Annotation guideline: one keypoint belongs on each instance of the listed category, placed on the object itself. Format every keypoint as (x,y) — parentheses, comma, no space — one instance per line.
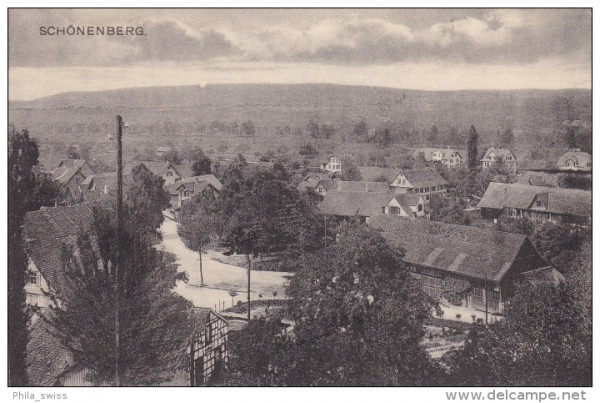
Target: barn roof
(515,195)
(468,251)
(351,204)
(360,186)
(424,178)
(67,169)
(193,182)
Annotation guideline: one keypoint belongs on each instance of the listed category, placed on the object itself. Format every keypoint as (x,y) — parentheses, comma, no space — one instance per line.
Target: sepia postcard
(307,197)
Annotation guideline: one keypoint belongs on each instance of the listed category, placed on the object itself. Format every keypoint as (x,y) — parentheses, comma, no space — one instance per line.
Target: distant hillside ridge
(292,95)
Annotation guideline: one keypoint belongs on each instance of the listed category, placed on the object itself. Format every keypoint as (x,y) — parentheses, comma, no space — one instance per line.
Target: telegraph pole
(486,300)
(118,249)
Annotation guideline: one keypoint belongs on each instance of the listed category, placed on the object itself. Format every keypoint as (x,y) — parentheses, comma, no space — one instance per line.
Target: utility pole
(118,249)
(249,268)
(486,300)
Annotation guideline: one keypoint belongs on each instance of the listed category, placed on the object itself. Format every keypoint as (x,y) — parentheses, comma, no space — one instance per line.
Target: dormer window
(33,278)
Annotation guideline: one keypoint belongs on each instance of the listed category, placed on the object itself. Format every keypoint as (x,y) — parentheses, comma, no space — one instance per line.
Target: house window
(209,334)
(403,181)
(320,190)
(169,173)
(33,278)
(538,203)
(451,160)
(394,210)
(420,208)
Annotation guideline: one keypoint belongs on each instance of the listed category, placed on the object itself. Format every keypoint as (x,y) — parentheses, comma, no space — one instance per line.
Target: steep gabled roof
(499,152)
(469,251)
(67,169)
(184,170)
(424,178)
(193,181)
(351,204)
(581,157)
(515,195)
(46,231)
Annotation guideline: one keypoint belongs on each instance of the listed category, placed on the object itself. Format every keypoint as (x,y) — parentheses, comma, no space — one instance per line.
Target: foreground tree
(544,340)
(27,191)
(145,199)
(199,222)
(155,323)
(359,316)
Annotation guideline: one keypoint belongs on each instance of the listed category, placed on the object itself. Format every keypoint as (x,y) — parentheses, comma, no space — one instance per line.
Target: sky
(427,49)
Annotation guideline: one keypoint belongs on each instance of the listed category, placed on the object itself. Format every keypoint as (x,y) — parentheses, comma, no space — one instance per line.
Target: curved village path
(219,277)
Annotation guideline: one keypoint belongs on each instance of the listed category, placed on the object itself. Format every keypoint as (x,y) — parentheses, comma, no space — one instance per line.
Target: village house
(45,233)
(49,363)
(336,185)
(407,205)
(360,205)
(312,179)
(164,169)
(538,203)
(538,178)
(493,155)
(449,157)
(208,347)
(207,185)
(105,183)
(575,160)
(70,173)
(468,267)
(422,181)
(332,165)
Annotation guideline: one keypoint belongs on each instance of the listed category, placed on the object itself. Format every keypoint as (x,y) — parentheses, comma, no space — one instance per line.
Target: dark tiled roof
(424,178)
(46,231)
(351,204)
(67,169)
(47,358)
(195,181)
(515,195)
(469,251)
(184,170)
(360,186)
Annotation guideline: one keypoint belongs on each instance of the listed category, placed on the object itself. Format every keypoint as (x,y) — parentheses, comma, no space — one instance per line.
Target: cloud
(338,37)
(163,40)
